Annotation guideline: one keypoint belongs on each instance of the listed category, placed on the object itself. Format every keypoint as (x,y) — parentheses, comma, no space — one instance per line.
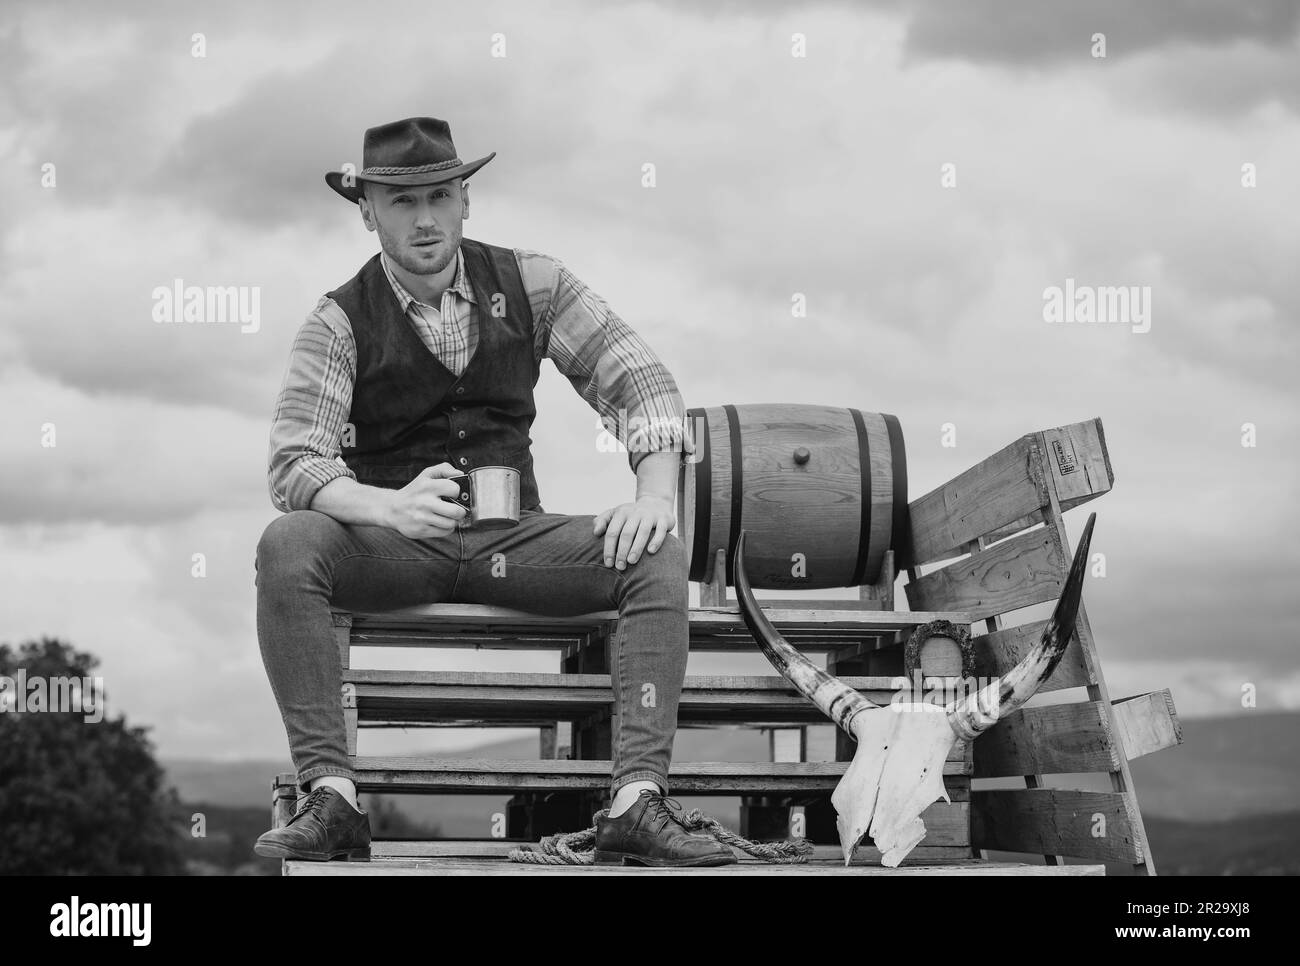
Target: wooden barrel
(820,492)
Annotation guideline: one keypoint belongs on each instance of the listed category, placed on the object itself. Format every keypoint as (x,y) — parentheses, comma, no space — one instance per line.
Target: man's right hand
(419,510)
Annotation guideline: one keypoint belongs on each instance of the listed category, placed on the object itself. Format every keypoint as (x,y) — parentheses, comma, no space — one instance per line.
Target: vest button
(459,390)
(461,434)
(462,461)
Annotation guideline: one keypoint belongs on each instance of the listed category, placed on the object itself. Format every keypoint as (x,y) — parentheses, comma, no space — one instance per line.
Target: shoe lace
(666,810)
(315,801)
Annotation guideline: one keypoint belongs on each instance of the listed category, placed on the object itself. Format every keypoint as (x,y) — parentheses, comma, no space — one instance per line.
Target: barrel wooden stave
(788,508)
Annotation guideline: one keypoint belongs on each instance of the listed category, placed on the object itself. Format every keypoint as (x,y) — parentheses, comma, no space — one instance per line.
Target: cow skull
(897,769)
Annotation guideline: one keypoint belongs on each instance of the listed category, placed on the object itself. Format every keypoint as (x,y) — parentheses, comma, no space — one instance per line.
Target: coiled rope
(579,848)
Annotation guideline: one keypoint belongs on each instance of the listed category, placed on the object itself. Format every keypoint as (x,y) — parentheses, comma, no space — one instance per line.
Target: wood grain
(1050,739)
(1147,723)
(1002,488)
(1018,572)
(999,651)
(1055,821)
(427,774)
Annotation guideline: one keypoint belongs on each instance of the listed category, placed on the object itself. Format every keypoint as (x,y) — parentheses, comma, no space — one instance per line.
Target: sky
(922,173)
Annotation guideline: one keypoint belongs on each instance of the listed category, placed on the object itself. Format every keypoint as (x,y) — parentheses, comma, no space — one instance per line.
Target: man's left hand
(632,527)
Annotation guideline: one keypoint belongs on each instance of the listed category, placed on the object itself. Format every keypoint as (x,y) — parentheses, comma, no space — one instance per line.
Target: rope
(579,848)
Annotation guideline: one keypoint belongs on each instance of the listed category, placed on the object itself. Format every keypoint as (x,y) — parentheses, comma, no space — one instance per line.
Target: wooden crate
(1004,519)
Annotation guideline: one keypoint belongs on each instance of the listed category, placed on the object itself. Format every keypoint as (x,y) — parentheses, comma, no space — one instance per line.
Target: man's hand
(628,527)
(419,510)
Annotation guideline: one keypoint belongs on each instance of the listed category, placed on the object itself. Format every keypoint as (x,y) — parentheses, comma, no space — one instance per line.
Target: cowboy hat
(414,151)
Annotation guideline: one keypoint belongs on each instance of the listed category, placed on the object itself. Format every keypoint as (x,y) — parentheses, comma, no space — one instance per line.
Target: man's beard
(402,255)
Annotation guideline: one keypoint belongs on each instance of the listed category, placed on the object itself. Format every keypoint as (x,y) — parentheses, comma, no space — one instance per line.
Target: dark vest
(409,411)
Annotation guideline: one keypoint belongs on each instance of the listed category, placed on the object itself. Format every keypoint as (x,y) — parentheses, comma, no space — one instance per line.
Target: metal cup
(494,498)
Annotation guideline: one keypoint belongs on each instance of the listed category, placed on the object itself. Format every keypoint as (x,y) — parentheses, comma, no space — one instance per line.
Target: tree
(77,796)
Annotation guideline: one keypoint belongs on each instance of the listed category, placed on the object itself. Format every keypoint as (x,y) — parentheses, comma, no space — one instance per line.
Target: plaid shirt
(609,364)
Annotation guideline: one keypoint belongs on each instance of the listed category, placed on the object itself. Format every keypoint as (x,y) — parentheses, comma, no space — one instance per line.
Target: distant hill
(1225,768)
(1253,845)
(236,784)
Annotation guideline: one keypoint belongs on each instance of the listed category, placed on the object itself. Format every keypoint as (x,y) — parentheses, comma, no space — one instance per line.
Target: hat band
(418,169)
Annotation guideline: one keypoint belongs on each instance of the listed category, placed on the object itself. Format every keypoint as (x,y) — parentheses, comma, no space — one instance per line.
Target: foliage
(78,796)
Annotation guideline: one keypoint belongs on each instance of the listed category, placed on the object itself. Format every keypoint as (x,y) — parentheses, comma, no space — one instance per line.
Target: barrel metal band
(737,489)
(703,502)
(864,530)
(900,537)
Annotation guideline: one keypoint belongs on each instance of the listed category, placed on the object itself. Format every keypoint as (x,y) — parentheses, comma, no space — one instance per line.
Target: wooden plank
(547,741)
(788,744)
(1049,739)
(284,800)
(1147,723)
(772,684)
(482,615)
(526,699)
(455,866)
(826,603)
(379,774)
(1089,825)
(999,651)
(1121,779)
(1005,487)
(994,624)
(1077,461)
(1024,570)
(1014,527)
(711,628)
(499,848)
(785,611)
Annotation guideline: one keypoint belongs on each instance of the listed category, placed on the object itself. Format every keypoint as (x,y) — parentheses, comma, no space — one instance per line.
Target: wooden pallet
(986,544)
(1003,521)
(452,865)
(488,857)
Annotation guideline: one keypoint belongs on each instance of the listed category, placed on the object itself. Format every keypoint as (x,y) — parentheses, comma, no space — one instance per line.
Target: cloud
(1208,688)
(121,460)
(1044,33)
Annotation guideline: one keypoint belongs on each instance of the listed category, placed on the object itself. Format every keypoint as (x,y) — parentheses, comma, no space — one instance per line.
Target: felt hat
(414,151)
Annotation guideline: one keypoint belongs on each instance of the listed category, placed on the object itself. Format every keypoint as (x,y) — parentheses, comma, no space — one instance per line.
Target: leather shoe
(651,833)
(325,828)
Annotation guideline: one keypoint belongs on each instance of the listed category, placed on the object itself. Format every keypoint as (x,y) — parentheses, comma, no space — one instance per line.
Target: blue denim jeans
(308,564)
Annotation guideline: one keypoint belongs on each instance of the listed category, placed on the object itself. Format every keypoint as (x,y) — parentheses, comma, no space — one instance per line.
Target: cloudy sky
(776,174)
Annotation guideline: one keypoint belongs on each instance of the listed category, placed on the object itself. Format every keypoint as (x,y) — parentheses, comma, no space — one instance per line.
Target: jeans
(309,564)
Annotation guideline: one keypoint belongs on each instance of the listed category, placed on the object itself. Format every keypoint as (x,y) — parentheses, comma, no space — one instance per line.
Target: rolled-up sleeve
(609,364)
(312,410)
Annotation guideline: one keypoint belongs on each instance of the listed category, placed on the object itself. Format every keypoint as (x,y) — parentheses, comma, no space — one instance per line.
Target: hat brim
(353,191)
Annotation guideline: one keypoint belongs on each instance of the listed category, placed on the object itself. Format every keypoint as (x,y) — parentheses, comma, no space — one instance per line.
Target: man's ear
(367,213)
(464,200)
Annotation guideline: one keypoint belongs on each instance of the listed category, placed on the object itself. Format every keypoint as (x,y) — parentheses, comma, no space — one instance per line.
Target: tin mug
(491,494)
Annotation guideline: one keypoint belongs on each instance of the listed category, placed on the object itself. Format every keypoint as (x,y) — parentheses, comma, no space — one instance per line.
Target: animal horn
(978,712)
(837,700)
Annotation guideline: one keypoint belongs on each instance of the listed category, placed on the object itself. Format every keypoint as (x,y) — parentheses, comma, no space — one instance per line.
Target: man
(420,368)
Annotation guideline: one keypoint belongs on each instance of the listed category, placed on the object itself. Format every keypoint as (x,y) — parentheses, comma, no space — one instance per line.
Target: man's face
(420,227)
